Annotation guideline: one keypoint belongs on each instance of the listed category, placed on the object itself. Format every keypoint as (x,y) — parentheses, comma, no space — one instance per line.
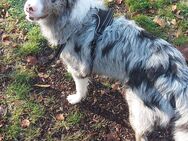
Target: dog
(154,72)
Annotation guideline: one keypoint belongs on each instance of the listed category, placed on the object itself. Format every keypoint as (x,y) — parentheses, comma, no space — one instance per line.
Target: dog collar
(60,48)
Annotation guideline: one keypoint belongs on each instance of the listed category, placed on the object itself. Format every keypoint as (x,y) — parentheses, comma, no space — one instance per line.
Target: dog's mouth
(32,18)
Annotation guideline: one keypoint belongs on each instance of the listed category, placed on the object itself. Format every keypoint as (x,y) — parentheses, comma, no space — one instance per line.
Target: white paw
(73,99)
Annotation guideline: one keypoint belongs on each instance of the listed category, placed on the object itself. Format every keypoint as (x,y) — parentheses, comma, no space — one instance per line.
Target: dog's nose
(31,8)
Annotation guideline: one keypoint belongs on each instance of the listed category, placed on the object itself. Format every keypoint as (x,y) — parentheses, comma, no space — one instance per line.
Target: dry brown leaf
(14,45)
(178,14)
(178,33)
(6,39)
(161,22)
(174,8)
(31,60)
(25,123)
(42,75)
(118,1)
(60,117)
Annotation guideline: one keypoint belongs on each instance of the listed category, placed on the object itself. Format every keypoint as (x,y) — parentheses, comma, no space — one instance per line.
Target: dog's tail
(181,123)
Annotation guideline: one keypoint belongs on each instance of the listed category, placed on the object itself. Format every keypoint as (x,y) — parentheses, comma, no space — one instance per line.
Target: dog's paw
(73,99)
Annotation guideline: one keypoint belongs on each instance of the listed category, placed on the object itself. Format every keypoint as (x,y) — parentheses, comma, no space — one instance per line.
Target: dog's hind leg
(181,128)
(81,90)
(140,116)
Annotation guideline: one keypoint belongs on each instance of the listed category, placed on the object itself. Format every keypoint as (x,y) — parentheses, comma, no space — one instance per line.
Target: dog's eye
(53,1)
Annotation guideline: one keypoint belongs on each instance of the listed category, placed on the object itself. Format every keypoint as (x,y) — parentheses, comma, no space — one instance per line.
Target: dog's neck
(59,28)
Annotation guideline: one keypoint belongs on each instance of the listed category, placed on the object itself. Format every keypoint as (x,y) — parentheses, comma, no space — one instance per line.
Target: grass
(74,118)
(148,24)
(34,44)
(19,87)
(68,76)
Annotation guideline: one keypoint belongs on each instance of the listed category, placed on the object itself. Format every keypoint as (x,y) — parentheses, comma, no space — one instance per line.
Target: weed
(68,76)
(74,118)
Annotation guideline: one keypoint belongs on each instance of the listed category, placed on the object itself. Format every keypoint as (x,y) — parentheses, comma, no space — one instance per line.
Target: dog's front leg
(81,89)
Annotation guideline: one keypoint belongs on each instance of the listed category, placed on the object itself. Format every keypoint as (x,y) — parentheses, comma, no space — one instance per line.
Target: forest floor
(33,105)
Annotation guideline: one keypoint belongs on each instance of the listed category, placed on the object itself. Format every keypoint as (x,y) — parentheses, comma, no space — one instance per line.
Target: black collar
(60,48)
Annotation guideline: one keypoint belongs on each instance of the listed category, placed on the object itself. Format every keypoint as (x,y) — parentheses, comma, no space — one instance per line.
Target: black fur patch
(173,102)
(154,73)
(144,34)
(108,48)
(77,48)
(137,76)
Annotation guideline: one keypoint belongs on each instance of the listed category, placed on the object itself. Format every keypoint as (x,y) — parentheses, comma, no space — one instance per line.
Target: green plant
(74,118)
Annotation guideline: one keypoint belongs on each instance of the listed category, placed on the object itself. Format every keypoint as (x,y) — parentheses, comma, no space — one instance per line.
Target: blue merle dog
(154,71)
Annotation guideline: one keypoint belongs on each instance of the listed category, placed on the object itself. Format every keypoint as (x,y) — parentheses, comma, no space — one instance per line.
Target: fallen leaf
(42,86)
(25,123)
(178,14)
(115,86)
(42,75)
(6,39)
(161,22)
(32,60)
(174,22)
(14,45)
(60,117)
(174,8)
(178,33)
(118,1)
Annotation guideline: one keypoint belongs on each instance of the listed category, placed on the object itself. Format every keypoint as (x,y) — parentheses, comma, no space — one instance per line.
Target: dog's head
(41,9)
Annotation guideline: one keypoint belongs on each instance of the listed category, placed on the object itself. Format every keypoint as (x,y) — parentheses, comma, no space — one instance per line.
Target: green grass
(34,44)
(181,40)
(74,118)
(14,129)
(148,24)
(138,5)
(68,76)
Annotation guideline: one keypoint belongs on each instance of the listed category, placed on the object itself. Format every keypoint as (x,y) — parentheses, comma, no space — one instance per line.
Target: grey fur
(154,72)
